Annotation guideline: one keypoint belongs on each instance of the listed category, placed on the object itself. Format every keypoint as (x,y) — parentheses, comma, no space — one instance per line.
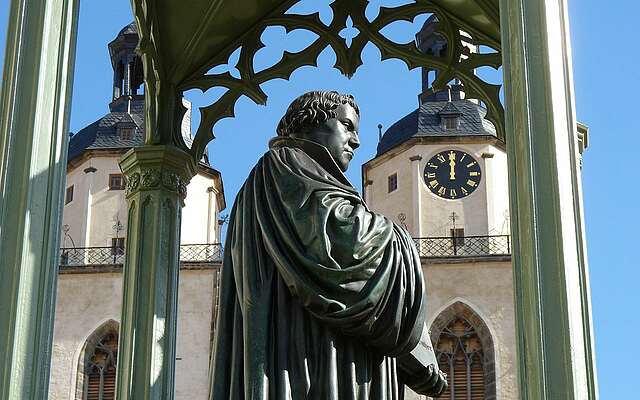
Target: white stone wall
(75,213)
(404,199)
(486,288)
(497,192)
(483,212)
(86,301)
(200,213)
(95,209)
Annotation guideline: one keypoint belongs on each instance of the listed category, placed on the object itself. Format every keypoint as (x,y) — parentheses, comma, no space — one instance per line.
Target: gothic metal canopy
(179,45)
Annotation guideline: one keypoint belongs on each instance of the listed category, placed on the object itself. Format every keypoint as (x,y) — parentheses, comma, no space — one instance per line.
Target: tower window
(116,182)
(68,197)
(126,133)
(392,182)
(457,237)
(450,123)
(117,246)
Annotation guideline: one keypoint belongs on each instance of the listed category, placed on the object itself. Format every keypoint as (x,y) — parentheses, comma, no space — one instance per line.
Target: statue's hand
(433,383)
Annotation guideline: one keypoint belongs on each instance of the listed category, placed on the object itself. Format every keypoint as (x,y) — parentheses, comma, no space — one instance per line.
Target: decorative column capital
(150,168)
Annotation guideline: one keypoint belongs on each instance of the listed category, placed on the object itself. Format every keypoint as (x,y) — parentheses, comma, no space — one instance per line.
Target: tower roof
(427,121)
(103,133)
(450,109)
(127,108)
(131,29)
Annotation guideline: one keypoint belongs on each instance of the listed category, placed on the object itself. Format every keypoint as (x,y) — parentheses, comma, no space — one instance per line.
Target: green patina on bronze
(318,294)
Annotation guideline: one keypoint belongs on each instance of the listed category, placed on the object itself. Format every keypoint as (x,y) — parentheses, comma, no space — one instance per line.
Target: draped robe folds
(318,294)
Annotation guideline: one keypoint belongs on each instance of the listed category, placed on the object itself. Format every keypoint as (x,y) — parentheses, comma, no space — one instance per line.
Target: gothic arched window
(460,356)
(97,364)
(101,370)
(464,349)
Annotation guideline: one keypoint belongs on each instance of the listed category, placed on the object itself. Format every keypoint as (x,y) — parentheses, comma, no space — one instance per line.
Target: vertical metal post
(550,272)
(454,238)
(157,178)
(34,114)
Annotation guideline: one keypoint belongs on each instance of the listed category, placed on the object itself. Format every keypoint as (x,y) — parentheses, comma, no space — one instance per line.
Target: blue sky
(606,80)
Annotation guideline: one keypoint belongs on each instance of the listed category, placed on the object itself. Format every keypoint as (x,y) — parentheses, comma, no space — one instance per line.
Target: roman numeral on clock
(452,174)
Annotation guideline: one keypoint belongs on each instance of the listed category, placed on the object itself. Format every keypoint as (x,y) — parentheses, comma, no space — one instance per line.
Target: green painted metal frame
(553,316)
(157,179)
(34,114)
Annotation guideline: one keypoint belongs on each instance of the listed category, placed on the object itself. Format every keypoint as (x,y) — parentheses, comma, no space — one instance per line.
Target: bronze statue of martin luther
(320,298)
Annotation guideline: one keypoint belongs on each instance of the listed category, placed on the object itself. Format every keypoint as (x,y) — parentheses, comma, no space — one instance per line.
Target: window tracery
(101,371)
(97,364)
(460,356)
(465,352)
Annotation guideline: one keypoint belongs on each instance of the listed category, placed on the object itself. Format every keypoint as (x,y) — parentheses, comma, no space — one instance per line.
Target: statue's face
(339,135)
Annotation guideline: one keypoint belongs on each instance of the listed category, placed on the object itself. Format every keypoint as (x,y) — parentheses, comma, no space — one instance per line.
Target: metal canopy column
(550,271)
(34,114)
(157,179)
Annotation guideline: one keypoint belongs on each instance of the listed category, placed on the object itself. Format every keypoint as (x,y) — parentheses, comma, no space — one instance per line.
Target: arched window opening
(101,369)
(465,352)
(119,80)
(96,379)
(460,356)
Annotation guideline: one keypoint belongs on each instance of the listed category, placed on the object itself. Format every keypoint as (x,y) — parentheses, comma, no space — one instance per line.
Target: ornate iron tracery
(165,110)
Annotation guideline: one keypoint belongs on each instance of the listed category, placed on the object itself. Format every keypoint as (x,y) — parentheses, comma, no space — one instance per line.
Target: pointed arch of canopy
(166,78)
(460,332)
(96,342)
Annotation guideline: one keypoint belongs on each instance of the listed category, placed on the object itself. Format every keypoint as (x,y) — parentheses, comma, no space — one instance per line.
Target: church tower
(128,75)
(441,173)
(94,229)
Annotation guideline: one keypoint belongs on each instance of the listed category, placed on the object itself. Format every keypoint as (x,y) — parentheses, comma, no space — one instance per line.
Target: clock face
(452,174)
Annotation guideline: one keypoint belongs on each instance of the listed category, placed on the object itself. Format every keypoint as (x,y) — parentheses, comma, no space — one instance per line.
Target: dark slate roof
(450,109)
(426,121)
(129,29)
(103,134)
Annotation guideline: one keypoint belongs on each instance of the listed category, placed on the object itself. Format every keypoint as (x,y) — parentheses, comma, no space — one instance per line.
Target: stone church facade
(441,172)
(89,294)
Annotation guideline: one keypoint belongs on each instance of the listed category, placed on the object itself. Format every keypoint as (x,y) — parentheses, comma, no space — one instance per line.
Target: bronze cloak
(318,293)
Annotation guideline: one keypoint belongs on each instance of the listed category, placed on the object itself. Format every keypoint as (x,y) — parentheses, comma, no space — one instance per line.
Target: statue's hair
(312,109)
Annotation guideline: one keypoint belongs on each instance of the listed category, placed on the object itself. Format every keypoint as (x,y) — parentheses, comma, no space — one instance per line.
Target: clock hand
(452,165)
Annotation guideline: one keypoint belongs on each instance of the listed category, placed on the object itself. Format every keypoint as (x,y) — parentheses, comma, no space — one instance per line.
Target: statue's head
(327,118)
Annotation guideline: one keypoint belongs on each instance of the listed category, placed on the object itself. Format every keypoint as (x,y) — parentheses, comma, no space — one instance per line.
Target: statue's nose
(355,141)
